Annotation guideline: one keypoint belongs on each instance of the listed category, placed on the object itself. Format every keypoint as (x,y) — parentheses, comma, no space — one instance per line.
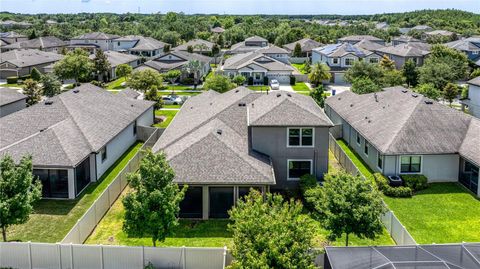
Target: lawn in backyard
(443,213)
(116,84)
(169,114)
(299,68)
(259,88)
(301,87)
(53,219)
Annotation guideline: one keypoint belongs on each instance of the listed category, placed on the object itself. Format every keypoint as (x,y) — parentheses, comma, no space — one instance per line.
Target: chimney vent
(219,131)
(76,91)
(48,102)
(278,95)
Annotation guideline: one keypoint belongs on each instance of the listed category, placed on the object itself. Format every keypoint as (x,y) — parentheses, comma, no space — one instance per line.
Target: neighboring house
(397,131)
(421,28)
(90,48)
(400,54)
(217,30)
(306,44)
(339,57)
(178,60)
(11,101)
(222,145)
(433,35)
(369,45)
(51,22)
(117,58)
(250,44)
(102,40)
(470,46)
(381,26)
(276,53)
(257,66)
(404,39)
(353,39)
(404,30)
(12,37)
(473,101)
(16,63)
(14,24)
(199,46)
(46,43)
(74,137)
(139,45)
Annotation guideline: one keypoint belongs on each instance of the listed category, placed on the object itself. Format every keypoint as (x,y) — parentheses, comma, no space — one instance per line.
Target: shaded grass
(172,106)
(258,88)
(357,160)
(170,114)
(301,87)
(14,85)
(299,68)
(116,84)
(53,219)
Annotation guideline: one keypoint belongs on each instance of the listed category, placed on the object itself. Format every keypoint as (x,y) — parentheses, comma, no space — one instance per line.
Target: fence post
(30,254)
(71,258)
(59,256)
(101,255)
(224,256)
(184,252)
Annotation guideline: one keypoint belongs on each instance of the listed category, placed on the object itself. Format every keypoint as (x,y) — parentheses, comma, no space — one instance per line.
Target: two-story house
(339,57)
(100,40)
(146,47)
(354,39)
(400,54)
(222,145)
(473,100)
(250,44)
(43,43)
(470,46)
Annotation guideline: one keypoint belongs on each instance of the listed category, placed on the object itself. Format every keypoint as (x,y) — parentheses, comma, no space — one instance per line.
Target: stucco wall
(474,96)
(273,142)
(146,119)
(12,107)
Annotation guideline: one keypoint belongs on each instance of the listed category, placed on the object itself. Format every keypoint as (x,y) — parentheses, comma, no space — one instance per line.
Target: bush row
(411,183)
(415,182)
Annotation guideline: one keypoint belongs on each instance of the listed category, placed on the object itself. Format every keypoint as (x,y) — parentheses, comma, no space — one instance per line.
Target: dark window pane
(59,183)
(379,161)
(221,200)
(192,205)
(294,137)
(298,168)
(42,175)
(307,137)
(82,176)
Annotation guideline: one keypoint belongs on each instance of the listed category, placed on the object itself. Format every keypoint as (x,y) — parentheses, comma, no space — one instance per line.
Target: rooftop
(306,44)
(196,44)
(96,36)
(29,57)
(257,58)
(143,43)
(116,58)
(413,49)
(10,95)
(359,38)
(37,43)
(342,49)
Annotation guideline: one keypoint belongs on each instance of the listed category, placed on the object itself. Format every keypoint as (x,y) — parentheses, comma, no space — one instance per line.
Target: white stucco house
(100,40)
(473,100)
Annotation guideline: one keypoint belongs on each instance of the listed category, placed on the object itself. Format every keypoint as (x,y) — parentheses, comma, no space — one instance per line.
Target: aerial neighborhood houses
(17,63)
(11,101)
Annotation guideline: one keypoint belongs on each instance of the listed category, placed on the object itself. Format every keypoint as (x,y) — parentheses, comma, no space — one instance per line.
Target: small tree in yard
(239,80)
(32,90)
(297,51)
(318,94)
(429,90)
(364,85)
(18,192)
(271,233)
(450,92)
(152,95)
(319,73)
(144,80)
(35,74)
(410,73)
(51,86)
(75,65)
(194,67)
(123,71)
(153,206)
(172,75)
(386,63)
(348,204)
(219,83)
(306,67)
(101,65)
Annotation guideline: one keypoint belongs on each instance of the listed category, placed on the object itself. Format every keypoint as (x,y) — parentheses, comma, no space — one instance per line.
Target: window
(118,43)
(374,60)
(410,164)
(349,61)
(379,160)
(135,128)
(365,148)
(103,153)
(300,137)
(298,168)
(358,139)
(335,60)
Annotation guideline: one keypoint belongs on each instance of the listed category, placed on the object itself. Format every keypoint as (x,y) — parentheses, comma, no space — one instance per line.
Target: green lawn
(357,160)
(170,114)
(14,85)
(443,213)
(53,219)
(116,84)
(258,88)
(299,67)
(301,87)
(172,106)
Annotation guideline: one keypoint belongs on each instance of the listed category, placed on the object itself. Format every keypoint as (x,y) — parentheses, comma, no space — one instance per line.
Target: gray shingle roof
(256,39)
(255,58)
(163,64)
(400,123)
(143,43)
(10,95)
(76,123)
(359,38)
(368,45)
(116,58)
(217,30)
(306,44)
(467,44)
(414,49)
(37,43)
(197,45)
(96,36)
(11,34)
(342,49)
(474,81)
(29,57)
(405,39)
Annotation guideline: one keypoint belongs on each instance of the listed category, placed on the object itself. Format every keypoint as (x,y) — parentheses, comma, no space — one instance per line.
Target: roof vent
(366,117)
(414,95)
(219,131)
(131,105)
(242,104)
(48,102)
(339,98)
(376,97)
(237,91)
(289,95)
(278,95)
(76,91)
(428,102)
(404,91)
(351,105)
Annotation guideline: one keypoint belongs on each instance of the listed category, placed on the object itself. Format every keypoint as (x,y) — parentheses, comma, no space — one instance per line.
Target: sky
(290,7)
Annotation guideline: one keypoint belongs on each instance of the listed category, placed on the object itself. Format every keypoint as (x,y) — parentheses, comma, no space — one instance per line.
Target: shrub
(98,83)
(415,182)
(25,77)
(265,81)
(250,81)
(35,74)
(12,80)
(293,80)
(308,182)
(382,184)
(187,81)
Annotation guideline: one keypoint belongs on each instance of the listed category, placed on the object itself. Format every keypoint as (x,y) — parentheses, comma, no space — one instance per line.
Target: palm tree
(319,73)
(194,67)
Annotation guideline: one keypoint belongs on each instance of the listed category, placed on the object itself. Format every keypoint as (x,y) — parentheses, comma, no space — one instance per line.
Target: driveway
(287,88)
(338,88)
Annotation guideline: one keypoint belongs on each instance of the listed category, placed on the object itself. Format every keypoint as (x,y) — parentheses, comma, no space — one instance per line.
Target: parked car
(172,100)
(274,84)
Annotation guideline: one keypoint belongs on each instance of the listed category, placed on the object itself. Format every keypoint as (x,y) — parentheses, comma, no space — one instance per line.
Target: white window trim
(350,58)
(409,173)
(378,157)
(297,160)
(334,60)
(301,146)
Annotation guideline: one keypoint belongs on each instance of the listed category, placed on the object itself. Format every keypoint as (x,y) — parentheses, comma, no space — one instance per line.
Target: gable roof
(256,39)
(406,39)
(10,95)
(440,32)
(29,57)
(11,34)
(414,49)
(116,58)
(306,44)
(368,45)
(96,36)
(162,63)
(466,44)
(273,50)
(342,49)
(217,30)
(398,121)
(197,44)
(44,42)
(239,61)
(359,38)
(142,43)
(66,131)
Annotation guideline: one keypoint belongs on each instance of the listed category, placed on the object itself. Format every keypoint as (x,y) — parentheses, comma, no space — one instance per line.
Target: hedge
(415,182)
(382,184)
(12,80)
(293,80)
(265,81)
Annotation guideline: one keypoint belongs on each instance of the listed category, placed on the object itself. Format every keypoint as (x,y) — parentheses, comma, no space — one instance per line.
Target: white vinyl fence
(395,228)
(87,223)
(72,256)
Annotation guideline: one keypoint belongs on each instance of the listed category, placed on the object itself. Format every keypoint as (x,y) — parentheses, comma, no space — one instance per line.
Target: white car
(172,100)
(274,84)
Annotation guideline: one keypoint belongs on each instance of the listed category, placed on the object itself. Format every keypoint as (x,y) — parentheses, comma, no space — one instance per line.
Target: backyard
(300,68)
(52,219)
(168,114)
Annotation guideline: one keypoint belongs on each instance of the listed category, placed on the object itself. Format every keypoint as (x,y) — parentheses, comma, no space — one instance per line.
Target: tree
(101,65)
(172,75)
(410,73)
(239,80)
(35,74)
(270,233)
(18,192)
(166,48)
(450,92)
(475,73)
(386,63)
(348,204)
(152,95)
(362,69)
(190,49)
(75,65)
(297,51)
(51,86)
(32,90)
(151,209)
(306,67)
(428,90)
(33,34)
(318,94)
(194,67)
(123,71)
(364,85)
(319,73)
(218,83)
(392,78)
(144,80)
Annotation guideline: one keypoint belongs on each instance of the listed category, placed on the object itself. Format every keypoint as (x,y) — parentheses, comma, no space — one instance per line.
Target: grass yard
(116,84)
(301,87)
(14,85)
(259,88)
(172,106)
(299,68)
(53,219)
(443,213)
(170,114)
(364,169)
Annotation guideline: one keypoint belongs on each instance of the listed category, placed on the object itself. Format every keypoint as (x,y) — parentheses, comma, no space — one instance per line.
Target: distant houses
(17,63)
(178,60)
(47,43)
(353,39)
(250,44)
(306,44)
(146,47)
(199,46)
(100,40)
(11,100)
